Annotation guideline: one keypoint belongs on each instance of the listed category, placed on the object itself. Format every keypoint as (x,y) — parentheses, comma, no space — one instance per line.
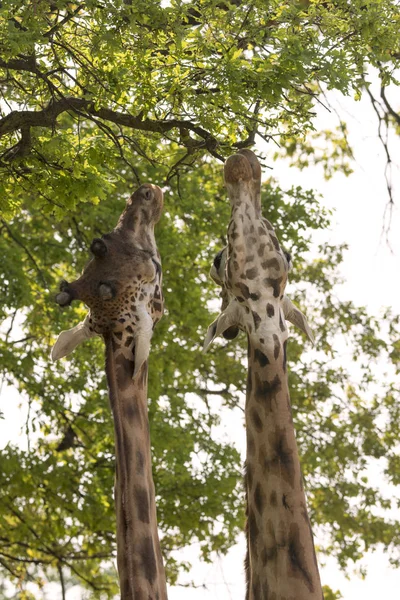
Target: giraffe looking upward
(121,285)
(281,562)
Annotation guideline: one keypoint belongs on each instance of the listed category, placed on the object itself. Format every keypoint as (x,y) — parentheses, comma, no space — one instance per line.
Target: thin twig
(28,253)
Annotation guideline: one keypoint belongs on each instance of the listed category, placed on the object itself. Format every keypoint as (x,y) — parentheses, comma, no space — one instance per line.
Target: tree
(104,95)
(87,86)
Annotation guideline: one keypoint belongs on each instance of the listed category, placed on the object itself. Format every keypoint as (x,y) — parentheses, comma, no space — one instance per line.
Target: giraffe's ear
(226,320)
(68,340)
(211,334)
(295,316)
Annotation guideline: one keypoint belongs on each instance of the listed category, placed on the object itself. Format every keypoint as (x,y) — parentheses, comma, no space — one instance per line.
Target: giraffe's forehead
(123,275)
(147,197)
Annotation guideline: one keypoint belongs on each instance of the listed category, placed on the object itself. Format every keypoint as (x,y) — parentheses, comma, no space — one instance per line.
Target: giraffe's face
(252,269)
(121,284)
(256,265)
(118,286)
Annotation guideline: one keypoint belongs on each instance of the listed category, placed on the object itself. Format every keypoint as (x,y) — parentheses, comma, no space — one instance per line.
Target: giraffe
(121,285)
(252,271)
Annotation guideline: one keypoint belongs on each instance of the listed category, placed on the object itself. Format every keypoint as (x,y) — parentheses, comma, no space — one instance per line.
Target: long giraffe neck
(281,555)
(281,561)
(121,285)
(140,564)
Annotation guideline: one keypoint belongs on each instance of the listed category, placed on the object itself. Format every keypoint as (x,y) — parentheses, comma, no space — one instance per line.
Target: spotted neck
(140,564)
(281,560)
(281,556)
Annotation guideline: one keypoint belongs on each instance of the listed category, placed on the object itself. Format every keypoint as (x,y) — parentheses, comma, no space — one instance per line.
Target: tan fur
(281,562)
(121,285)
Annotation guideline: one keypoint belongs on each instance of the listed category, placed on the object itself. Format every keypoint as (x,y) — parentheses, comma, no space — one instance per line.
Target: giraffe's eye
(288,258)
(217,260)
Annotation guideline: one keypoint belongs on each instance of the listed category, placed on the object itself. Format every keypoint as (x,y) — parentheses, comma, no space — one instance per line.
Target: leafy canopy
(89,85)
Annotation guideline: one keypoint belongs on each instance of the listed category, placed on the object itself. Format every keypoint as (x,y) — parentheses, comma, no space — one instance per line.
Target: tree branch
(63,21)
(382,120)
(393,113)
(47,117)
(61,574)
(28,253)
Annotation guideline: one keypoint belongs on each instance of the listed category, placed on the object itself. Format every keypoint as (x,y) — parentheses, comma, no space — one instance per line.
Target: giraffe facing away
(121,285)
(252,271)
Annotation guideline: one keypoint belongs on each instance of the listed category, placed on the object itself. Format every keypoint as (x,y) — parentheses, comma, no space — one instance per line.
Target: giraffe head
(121,284)
(252,269)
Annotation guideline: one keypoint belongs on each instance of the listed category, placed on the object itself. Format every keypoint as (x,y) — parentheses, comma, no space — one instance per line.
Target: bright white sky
(359,202)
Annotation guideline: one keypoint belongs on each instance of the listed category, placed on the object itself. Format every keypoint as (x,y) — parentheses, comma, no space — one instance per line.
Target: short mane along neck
(140,564)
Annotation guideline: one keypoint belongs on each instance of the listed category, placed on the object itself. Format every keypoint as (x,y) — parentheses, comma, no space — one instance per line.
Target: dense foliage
(89,85)
(97,97)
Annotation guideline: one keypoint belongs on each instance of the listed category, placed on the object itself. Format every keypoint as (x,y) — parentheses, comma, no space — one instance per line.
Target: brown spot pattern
(139,462)
(251,273)
(132,412)
(281,463)
(146,551)
(271,263)
(141,499)
(261,358)
(275,284)
(270,310)
(255,417)
(297,557)
(266,390)
(284,355)
(277,346)
(253,527)
(259,498)
(124,371)
(275,242)
(256,319)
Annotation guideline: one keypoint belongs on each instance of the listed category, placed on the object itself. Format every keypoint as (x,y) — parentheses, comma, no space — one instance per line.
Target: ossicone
(98,248)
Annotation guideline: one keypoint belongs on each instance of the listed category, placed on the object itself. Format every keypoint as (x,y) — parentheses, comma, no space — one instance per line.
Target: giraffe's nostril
(98,248)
